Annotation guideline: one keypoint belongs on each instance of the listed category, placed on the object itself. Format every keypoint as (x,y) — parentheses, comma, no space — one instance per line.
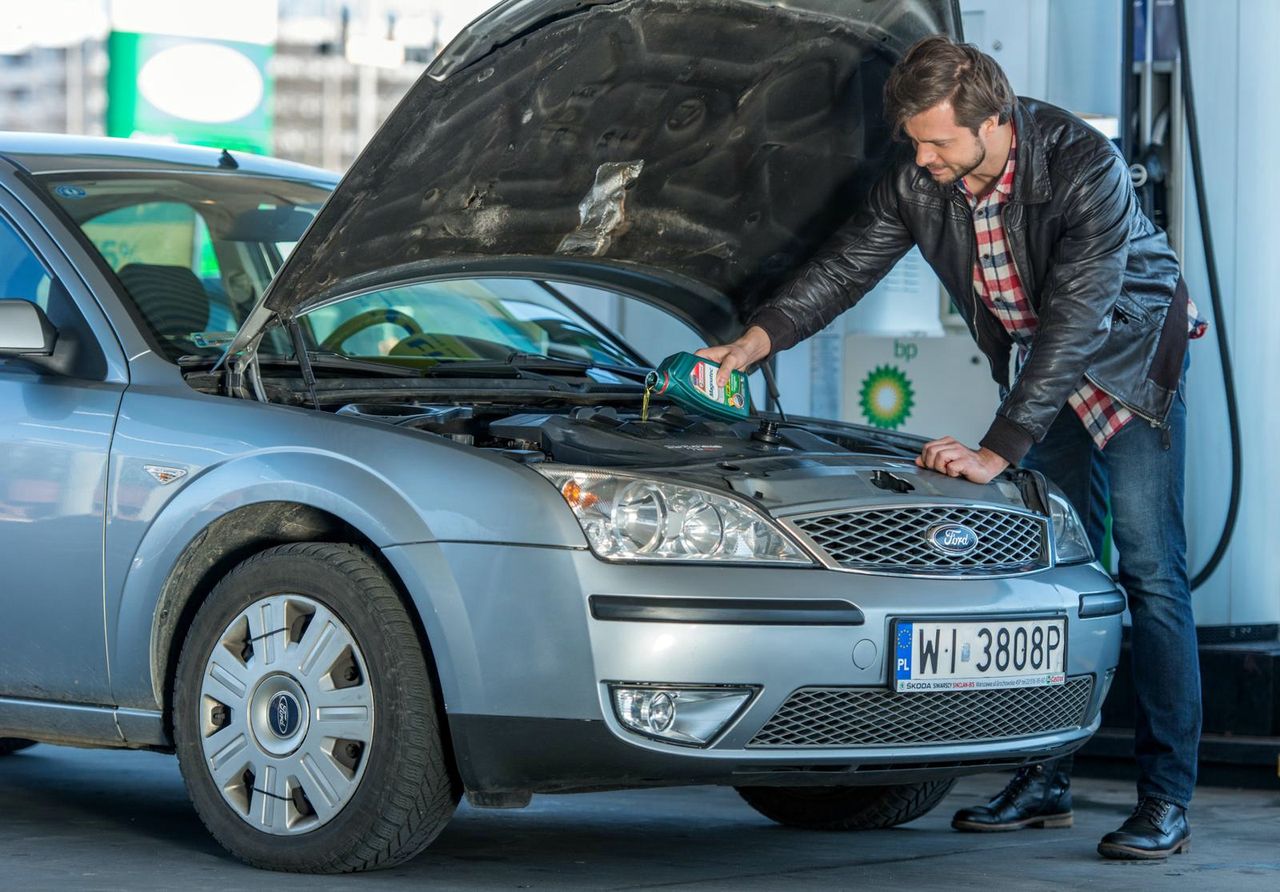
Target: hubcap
(286,714)
(278,715)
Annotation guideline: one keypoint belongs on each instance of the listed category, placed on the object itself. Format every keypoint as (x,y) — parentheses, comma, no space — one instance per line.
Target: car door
(55,436)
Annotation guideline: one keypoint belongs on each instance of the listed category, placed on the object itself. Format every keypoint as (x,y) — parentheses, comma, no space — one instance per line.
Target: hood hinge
(234,377)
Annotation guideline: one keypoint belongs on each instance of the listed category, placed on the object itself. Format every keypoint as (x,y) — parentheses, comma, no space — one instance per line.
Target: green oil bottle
(688,381)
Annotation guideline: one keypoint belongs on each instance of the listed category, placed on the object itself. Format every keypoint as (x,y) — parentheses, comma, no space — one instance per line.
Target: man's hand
(753,346)
(951,457)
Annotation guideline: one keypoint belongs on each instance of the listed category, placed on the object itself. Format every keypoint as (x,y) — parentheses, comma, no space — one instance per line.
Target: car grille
(813,717)
(896,539)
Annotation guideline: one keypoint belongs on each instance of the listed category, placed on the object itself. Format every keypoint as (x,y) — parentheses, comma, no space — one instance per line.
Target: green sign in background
(130,113)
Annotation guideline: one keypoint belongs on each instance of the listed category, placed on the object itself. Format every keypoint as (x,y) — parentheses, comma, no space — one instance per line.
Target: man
(1028,217)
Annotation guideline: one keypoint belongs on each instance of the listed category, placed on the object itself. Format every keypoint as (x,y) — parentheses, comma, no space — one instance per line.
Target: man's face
(944,148)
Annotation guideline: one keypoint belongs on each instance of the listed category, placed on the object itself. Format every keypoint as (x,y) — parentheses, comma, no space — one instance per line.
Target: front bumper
(507,753)
(525,667)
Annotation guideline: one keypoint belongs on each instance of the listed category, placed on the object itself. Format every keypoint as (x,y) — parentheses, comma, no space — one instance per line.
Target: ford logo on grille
(952,538)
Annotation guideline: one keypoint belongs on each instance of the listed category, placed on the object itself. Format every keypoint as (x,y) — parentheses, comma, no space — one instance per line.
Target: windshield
(193,251)
(424,323)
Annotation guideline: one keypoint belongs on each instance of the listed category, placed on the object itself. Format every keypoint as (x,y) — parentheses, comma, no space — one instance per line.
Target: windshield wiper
(330,360)
(517,360)
(533,366)
(633,371)
(534,363)
(319,359)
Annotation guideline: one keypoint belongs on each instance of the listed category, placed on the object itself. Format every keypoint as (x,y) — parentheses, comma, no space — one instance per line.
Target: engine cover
(605,437)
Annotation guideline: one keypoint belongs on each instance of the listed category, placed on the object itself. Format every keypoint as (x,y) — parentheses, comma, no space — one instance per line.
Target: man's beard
(950,175)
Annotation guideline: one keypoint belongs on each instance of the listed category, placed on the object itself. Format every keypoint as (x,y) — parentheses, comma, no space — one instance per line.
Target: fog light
(662,712)
(691,716)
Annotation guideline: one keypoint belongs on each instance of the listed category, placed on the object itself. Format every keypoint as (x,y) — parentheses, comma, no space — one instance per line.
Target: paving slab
(102,820)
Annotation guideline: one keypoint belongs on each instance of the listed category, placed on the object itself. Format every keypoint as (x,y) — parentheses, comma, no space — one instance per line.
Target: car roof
(39,153)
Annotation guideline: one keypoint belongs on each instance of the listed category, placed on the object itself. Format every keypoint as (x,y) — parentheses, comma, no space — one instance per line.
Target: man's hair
(936,70)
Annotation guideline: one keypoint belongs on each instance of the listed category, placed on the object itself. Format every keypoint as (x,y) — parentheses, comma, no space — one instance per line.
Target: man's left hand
(951,457)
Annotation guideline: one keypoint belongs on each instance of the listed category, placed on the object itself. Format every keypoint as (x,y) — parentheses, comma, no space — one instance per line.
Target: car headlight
(1071,543)
(629,518)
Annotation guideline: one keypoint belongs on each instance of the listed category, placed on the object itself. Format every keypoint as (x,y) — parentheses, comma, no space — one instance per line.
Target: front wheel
(846,808)
(304,716)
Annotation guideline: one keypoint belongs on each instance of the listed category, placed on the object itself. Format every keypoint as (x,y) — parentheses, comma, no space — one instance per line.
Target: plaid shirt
(996,282)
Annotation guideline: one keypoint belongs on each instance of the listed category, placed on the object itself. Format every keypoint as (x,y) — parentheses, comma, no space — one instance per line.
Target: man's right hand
(752,347)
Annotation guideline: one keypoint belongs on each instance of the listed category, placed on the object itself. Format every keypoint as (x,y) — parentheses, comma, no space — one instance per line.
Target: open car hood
(710,145)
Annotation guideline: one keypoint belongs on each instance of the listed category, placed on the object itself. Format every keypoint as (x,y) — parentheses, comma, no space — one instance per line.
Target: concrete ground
(77,819)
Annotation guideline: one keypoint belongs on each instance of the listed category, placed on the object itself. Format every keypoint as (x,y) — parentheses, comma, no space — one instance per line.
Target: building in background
(307,80)
(53,66)
(54,89)
(328,106)
(340,68)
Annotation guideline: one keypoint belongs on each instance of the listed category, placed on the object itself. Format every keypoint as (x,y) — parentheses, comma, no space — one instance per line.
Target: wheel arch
(214,552)
(230,539)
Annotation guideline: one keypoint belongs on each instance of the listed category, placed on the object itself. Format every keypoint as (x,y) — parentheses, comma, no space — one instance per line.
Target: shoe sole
(1043,822)
(1128,853)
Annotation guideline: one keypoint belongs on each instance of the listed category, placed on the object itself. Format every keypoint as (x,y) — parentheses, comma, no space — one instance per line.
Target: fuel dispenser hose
(1215,296)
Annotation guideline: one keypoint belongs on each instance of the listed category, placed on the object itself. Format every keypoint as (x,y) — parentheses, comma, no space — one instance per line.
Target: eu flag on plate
(902,646)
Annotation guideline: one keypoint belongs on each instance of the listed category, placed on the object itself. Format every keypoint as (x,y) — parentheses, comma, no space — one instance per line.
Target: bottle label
(726,393)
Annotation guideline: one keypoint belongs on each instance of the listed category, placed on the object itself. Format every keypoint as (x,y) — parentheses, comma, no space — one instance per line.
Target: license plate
(1007,653)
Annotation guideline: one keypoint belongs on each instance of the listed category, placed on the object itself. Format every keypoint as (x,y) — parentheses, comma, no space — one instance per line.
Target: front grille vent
(830,717)
(899,540)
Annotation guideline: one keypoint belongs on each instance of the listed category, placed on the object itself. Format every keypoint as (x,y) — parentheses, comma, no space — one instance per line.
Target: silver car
(340,491)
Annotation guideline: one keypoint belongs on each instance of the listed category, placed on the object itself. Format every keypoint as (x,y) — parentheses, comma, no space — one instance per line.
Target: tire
(13,744)
(302,675)
(846,808)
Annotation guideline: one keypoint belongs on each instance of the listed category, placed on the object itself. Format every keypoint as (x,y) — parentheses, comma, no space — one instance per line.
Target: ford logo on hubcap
(284,715)
(952,538)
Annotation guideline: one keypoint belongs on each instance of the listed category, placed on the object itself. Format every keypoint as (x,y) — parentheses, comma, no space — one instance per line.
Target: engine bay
(530,418)
(611,436)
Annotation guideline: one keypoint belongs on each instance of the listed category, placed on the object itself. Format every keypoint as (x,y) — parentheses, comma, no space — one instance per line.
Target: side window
(21,272)
(23,275)
(163,232)
(163,255)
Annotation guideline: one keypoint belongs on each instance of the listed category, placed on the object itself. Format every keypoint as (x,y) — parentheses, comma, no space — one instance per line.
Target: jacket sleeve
(845,268)
(1085,276)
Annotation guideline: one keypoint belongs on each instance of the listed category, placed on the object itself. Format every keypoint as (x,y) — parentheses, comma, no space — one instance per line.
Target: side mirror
(27,334)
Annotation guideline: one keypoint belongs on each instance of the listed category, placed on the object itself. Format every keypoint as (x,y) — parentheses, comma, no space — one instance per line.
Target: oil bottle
(689,381)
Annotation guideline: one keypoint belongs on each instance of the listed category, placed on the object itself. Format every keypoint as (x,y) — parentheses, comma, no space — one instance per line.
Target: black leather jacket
(1103,280)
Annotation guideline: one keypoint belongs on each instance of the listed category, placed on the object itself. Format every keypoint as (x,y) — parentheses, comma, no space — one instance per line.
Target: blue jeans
(1142,471)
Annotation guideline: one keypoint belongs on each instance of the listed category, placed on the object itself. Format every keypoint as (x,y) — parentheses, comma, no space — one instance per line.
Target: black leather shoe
(1156,829)
(1034,798)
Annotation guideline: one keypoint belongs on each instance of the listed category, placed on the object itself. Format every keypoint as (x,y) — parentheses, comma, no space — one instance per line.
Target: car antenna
(226,160)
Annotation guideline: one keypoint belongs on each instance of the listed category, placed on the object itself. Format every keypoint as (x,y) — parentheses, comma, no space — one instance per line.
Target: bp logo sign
(886,397)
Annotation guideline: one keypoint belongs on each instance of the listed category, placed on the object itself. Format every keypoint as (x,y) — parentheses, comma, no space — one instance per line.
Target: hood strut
(304,361)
